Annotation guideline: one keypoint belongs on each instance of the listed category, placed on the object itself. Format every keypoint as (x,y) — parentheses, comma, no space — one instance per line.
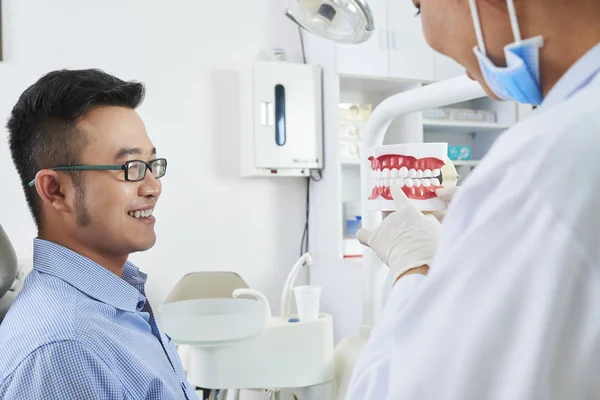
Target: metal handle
(267,113)
(383,39)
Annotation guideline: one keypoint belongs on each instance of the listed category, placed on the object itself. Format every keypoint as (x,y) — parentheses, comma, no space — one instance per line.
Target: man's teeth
(142,213)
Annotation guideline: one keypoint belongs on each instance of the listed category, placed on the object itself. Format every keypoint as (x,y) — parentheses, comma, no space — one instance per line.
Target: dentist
(504,301)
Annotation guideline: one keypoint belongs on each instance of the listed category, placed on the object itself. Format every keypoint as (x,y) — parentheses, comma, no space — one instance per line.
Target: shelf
(350,162)
(380,85)
(460,163)
(462,126)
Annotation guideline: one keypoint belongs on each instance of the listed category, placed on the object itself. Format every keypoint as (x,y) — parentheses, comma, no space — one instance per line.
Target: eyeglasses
(135,170)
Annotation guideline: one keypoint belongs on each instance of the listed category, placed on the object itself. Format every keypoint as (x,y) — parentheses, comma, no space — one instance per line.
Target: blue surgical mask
(520,79)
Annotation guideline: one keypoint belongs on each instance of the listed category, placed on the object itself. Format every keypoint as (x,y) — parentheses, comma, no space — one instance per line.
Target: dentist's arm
(405,241)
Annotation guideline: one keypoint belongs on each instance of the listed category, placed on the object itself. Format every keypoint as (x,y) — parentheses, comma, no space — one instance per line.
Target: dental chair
(8,272)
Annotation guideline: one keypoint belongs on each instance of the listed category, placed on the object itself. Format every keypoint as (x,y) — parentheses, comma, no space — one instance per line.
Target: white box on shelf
(355,112)
(352,248)
(349,152)
(436,114)
(456,114)
(351,130)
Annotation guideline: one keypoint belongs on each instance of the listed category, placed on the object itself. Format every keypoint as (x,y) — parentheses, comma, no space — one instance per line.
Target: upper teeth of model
(142,213)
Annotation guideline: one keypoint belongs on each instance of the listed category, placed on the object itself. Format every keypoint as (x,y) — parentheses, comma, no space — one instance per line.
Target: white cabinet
(397,48)
(410,57)
(369,58)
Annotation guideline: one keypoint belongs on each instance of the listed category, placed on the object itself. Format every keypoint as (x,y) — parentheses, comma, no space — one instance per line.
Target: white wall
(189,54)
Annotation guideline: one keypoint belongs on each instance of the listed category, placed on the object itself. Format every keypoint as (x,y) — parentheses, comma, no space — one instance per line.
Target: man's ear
(54,189)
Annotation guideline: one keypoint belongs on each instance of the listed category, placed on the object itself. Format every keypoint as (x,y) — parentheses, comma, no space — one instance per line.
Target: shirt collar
(577,77)
(92,279)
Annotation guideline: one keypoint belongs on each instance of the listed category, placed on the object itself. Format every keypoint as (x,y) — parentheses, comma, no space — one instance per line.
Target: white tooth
(146,213)
(375,174)
(403,173)
(419,174)
(435,172)
(412,173)
(137,214)
(386,182)
(434,182)
(385,173)
(425,182)
(427,173)
(417,182)
(150,212)
(394,173)
(408,182)
(400,182)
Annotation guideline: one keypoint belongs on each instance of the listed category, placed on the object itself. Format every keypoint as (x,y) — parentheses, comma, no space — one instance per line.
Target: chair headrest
(8,263)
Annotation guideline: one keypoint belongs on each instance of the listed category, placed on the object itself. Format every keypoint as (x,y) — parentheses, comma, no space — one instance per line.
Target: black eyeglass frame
(115,167)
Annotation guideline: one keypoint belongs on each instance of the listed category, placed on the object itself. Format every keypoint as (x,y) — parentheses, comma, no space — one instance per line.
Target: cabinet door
(446,68)
(369,58)
(410,56)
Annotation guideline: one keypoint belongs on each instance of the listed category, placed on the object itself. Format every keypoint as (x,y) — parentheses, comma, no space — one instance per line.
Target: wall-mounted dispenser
(282,122)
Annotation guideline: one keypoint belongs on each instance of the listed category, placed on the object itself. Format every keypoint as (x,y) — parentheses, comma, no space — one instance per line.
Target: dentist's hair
(42,127)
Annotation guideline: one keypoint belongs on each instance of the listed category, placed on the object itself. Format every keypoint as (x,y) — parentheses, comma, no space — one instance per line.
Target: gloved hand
(405,239)
(445,194)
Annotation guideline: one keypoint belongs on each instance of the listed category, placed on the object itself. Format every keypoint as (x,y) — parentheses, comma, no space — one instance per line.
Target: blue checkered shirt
(78,331)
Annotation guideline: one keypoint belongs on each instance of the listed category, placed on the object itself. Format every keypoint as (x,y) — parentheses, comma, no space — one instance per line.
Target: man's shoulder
(47,310)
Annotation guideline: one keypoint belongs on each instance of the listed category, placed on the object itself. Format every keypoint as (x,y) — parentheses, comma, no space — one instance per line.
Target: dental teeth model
(419,169)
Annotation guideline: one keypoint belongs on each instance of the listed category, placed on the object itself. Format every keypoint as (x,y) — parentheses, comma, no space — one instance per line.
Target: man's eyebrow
(128,151)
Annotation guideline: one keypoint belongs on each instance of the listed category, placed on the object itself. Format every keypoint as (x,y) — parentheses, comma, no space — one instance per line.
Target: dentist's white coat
(511,307)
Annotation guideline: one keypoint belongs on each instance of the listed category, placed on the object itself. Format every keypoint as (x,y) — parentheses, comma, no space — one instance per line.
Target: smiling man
(82,327)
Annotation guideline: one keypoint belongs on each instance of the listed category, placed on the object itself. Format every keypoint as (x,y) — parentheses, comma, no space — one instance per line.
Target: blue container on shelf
(456,153)
(352,225)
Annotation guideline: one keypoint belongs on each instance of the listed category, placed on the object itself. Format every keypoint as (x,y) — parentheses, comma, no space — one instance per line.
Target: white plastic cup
(308,299)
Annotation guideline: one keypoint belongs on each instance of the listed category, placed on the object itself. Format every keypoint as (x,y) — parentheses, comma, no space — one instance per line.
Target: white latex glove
(445,194)
(405,239)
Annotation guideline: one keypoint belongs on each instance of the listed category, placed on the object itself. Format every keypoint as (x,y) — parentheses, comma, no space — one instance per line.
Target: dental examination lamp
(8,272)
(343,21)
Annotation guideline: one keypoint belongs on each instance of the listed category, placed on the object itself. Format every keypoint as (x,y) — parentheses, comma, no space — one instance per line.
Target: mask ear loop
(477,24)
(514,22)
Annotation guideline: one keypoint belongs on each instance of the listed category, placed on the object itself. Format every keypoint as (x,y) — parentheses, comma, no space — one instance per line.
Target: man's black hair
(43,129)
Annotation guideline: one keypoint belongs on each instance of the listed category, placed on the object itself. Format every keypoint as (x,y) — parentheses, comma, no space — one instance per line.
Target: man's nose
(150,186)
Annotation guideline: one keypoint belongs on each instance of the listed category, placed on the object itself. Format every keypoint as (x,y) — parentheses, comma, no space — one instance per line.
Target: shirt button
(140,305)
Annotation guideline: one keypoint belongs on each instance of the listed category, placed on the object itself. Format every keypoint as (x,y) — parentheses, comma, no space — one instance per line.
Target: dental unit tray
(235,343)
